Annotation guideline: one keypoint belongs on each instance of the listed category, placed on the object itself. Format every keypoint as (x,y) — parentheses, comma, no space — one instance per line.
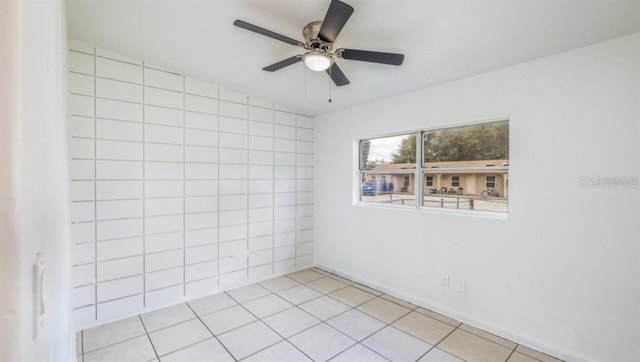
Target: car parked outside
(368,189)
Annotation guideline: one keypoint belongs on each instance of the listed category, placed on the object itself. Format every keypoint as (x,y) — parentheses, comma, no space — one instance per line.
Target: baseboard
(458,316)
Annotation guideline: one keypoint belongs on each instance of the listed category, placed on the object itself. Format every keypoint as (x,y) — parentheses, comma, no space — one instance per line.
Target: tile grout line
(411,310)
(158,70)
(273,189)
(195,162)
(306,284)
(512,352)
(218,186)
(82,345)
(363,346)
(415,308)
(163,143)
(386,324)
(369,315)
(173,325)
(115,343)
(485,338)
(144,67)
(210,331)
(148,337)
(165,89)
(188,345)
(440,341)
(285,340)
(325,321)
(203,315)
(258,319)
(184,192)
(122,100)
(143,199)
(295,187)
(229,307)
(95,188)
(111,119)
(168,90)
(246,189)
(298,307)
(355,308)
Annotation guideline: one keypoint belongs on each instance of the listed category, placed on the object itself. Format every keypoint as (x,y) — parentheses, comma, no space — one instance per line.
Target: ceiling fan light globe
(317,62)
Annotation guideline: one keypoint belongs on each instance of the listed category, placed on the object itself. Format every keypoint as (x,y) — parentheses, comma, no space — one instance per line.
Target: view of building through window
(388,169)
(463,168)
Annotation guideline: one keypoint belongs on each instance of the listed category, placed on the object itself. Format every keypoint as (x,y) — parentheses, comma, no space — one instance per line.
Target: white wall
(34,213)
(561,274)
(180,188)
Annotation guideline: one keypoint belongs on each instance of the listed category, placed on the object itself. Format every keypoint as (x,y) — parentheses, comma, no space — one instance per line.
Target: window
(465,155)
(491,182)
(387,165)
(455,181)
(429,181)
(465,167)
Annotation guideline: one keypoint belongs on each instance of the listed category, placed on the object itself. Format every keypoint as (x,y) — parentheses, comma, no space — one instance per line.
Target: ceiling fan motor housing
(310,34)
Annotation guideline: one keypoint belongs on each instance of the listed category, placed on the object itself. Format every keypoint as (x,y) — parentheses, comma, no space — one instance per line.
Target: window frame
(419,172)
(455,179)
(427,181)
(382,173)
(486,181)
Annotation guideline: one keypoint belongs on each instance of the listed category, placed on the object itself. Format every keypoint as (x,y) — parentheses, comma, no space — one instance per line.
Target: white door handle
(38,295)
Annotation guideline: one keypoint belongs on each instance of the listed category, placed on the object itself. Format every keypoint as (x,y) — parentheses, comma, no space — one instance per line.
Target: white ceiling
(442,40)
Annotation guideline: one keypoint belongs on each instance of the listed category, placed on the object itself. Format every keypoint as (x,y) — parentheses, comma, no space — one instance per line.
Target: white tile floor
(304,316)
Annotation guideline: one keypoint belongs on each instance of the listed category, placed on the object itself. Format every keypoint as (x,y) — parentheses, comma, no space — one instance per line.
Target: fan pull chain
(330,78)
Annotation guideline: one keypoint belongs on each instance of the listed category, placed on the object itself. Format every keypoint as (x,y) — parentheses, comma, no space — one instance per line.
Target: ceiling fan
(319,39)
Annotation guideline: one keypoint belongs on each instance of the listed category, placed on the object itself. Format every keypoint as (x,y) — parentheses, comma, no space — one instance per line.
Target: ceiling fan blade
(337,76)
(337,15)
(265,32)
(368,56)
(283,63)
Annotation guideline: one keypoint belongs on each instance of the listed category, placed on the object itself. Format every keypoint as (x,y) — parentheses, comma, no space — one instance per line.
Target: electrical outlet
(445,280)
(462,286)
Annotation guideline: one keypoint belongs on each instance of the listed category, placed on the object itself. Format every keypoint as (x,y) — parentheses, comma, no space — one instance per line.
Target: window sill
(385,206)
(468,213)
(438,211)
